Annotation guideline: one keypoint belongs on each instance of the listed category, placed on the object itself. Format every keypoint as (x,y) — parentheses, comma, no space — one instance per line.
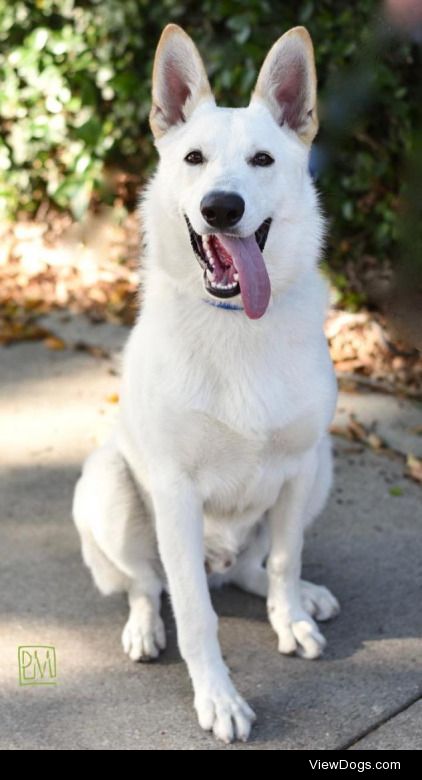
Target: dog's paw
(142,640)
(221,710)
(297,634)
(318,601)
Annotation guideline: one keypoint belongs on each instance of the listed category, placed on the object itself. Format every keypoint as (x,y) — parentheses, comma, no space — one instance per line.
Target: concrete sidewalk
(367,548)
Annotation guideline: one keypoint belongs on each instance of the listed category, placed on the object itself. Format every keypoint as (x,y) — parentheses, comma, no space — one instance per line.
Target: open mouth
(221,274)
(234,265)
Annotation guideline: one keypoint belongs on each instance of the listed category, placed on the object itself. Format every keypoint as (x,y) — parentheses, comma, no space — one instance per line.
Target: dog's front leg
(179,525)
(295,628)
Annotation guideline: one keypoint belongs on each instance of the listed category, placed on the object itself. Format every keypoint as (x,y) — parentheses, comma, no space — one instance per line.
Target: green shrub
(75,93)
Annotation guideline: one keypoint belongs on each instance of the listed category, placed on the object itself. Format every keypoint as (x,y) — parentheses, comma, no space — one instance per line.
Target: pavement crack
(381,722)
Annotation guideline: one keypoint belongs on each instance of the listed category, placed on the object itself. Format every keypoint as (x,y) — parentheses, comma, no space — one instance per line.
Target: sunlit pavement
(54,407)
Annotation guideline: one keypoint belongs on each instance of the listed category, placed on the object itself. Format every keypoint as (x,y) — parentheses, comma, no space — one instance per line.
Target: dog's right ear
(179,80)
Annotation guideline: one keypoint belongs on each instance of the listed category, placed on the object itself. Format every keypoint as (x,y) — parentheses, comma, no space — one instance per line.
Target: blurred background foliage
(75,79)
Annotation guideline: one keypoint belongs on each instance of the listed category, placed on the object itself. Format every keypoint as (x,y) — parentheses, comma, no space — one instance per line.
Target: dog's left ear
(287,83)
(179,80)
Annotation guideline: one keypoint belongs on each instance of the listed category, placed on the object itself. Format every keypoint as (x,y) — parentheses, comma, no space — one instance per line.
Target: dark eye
(194,158)
(262,159)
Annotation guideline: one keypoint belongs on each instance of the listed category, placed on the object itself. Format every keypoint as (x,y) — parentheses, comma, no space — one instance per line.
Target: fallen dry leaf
(113,398)
(54,342)
(375,441)
(414,468)
(16,330)
(91,349)
(339,430)
(357,429)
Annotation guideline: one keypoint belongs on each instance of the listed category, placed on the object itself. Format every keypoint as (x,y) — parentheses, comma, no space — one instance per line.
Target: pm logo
(37,665)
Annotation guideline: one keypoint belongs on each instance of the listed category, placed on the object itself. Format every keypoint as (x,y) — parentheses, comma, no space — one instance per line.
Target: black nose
(222,209)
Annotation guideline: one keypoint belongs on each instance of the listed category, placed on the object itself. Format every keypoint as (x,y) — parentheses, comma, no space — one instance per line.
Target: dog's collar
(223,305)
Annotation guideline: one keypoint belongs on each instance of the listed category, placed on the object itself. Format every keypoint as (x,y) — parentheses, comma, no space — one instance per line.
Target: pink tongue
(254,282)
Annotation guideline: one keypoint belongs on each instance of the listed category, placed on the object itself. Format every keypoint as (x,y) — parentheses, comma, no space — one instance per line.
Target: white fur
(221,451)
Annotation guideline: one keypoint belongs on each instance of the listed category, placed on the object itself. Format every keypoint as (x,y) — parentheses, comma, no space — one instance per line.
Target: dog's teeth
(236,277)
(210,276)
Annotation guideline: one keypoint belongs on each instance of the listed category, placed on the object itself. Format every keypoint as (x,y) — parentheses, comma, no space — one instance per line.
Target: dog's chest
(240,467)
(239,430)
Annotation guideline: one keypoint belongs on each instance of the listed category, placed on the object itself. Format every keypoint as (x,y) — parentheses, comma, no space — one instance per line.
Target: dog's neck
(304,301)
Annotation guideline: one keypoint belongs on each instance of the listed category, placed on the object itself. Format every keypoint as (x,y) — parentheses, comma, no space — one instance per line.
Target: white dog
(221,456)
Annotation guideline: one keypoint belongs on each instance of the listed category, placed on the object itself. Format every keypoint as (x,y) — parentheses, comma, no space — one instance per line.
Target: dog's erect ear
(179,80)
(287,83)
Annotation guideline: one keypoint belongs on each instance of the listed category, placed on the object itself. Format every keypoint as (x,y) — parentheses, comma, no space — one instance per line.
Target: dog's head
(236,179)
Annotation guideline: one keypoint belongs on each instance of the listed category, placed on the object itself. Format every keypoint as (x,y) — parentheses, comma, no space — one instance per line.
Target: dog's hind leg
(119,546)
(106,576)
(291,601)
(317,600)
(250,573)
